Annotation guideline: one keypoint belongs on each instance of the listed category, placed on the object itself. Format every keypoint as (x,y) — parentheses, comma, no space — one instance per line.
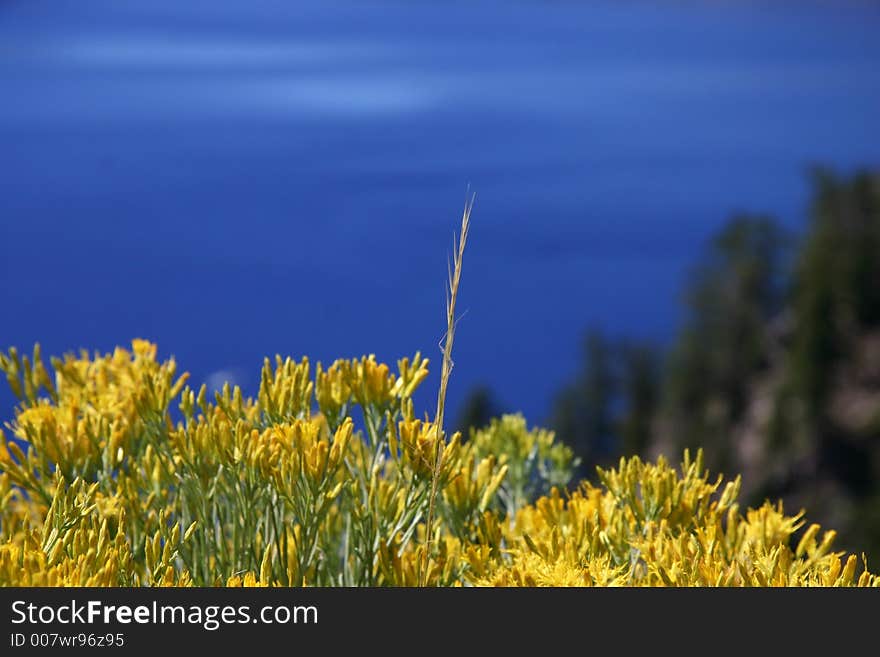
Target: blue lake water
(237,179)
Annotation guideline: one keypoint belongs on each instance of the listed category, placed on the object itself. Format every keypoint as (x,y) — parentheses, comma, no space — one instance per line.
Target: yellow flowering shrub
(116,473)
(648,525)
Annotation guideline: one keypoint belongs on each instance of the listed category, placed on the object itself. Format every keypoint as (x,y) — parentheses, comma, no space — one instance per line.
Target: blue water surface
(239,179)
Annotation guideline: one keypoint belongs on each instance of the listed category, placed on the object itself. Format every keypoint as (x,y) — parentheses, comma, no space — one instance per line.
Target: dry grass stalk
(445,371)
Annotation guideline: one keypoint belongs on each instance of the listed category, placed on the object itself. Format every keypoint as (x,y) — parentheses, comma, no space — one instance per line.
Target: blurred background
(676,238)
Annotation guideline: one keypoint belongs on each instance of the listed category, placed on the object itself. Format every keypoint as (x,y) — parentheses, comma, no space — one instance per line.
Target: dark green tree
(582,413)
(836,308)
(477,410)
(639,388)
(837,279)
(732,296)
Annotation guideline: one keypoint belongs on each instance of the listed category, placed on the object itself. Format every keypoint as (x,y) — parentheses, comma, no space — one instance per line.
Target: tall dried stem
(445,371)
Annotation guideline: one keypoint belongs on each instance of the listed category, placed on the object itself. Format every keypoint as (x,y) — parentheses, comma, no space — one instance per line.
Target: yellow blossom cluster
(648,525)
(116,473)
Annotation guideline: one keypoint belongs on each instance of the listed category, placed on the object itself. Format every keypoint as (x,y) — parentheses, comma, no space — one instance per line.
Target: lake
(239,179)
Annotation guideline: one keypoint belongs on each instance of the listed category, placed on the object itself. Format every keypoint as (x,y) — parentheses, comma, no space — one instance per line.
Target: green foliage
(535,463)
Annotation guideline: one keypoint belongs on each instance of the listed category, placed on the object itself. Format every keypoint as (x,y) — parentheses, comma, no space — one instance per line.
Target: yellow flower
(332,388)
(411,375)
(371,383)
(418,441)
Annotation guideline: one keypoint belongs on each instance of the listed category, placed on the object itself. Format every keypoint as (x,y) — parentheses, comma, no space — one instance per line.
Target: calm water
(239,179)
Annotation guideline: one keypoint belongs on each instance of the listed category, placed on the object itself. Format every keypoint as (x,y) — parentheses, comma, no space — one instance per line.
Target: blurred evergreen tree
(837,280)
(639,388)
(582,413)
(733,294)
(478,409)
(833,366)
